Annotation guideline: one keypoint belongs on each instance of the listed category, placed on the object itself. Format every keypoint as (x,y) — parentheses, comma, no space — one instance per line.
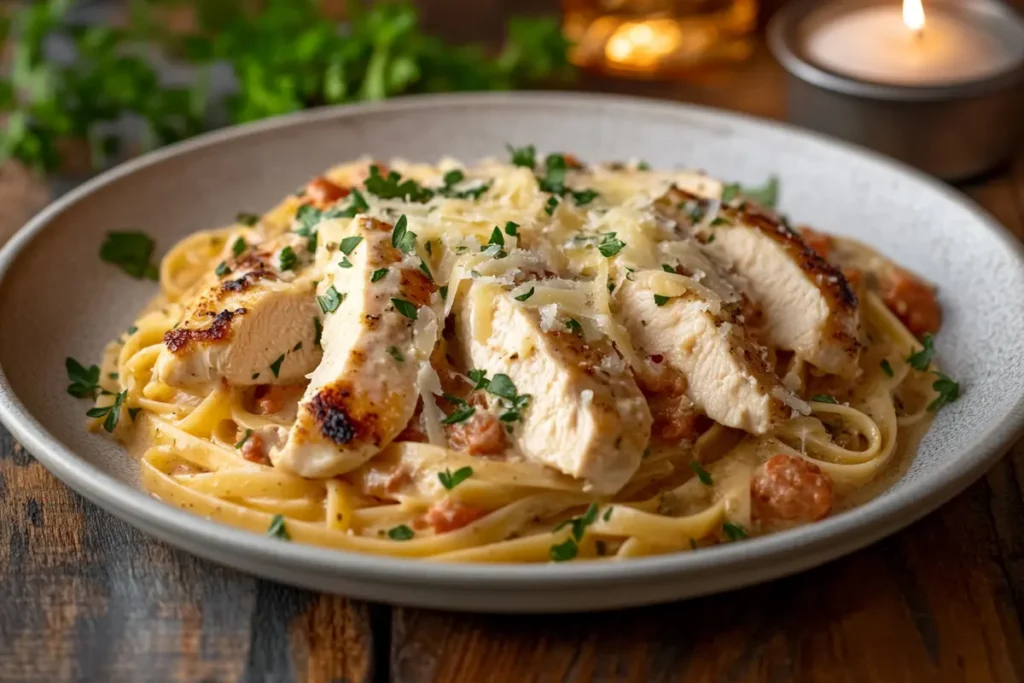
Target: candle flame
(913,15)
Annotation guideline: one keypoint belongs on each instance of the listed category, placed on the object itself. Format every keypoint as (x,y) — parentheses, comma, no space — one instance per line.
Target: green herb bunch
(286,55)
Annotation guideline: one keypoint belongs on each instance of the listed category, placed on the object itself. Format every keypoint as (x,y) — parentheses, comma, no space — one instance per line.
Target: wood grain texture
(84,597)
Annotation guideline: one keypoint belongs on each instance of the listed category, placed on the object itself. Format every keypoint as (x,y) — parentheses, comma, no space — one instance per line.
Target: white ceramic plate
(57,299)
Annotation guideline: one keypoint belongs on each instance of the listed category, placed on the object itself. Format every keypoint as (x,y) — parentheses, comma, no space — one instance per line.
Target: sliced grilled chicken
(252,323)
(692,319)
(364,391)
(586,416)
(807,305)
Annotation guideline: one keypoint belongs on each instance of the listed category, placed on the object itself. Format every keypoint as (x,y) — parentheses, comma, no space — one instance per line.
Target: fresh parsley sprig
(85,381)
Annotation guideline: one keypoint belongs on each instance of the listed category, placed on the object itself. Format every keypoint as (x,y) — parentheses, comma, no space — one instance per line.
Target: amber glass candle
(659,38)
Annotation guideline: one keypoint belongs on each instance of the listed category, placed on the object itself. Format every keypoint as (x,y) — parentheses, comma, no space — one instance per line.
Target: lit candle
(881,44)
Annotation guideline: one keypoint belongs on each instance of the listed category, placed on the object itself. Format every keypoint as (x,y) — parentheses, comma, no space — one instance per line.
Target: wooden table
(85,597)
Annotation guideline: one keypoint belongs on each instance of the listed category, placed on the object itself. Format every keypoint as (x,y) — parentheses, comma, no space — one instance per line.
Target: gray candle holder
(952,131)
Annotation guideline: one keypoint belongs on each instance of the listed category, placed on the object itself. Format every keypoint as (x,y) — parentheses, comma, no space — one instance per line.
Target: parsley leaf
(551,205)
(222,269)
(392,187)
(702,474)
(886,368)
(85,382)
(451,479)
(245,437)
(275,367)
(948,390)
(610,245)
(480,377)
(400,533)
(395,353)
(608,513)
(318,331)
(402,238)
(920,360)
(463,411)
(378,274)
(277,528)
(496,237)
(245,218)
(512,229)
(526,295)
(523,156)
(824,398)
(404,307)
(660,300)
(574,327)
(767,195)
(112,413)
(344,262)
(734,531)
(668,269)
(349,244)
(502,386)
(131,252)
(288,259)
(356,205)
(330,301)
(584,197)
(563,552)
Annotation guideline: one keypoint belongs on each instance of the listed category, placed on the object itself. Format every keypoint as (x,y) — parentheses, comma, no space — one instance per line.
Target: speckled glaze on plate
(58,299)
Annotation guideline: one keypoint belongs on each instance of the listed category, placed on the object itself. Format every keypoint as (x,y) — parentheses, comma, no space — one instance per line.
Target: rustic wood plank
(86,597)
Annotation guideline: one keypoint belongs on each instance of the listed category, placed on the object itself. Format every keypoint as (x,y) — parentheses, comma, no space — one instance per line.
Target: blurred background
(85,84)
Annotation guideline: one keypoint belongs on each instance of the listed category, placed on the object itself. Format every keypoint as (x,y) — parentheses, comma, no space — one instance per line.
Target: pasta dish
(522,360)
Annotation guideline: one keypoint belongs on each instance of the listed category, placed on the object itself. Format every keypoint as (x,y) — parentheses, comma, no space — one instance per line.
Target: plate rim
(844,533)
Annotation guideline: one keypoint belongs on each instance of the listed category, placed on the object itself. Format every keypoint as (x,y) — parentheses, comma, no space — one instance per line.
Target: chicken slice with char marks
(364,392)
(253,324)
(586,416)
(808,306)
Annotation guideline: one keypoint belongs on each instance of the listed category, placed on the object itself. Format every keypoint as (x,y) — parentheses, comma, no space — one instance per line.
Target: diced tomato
(323,193)
(913,301)
(449,515)
(788,490)
(253,449)
(481,434)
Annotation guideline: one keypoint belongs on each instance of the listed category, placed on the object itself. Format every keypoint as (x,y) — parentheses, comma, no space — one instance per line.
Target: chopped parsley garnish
(734,531)
(496,237)
(886,368)
(246,218)
(611,287)
(824,398)
(668,269)
(312,241)
(222,269)
(402,238)
(452,178)
(395,353)
(238,246)
(948,390)
(404,307)
(574,326)
(288,259)
(643,166)
(702,474)
(400,533)
(245,437)
(920,360)
(277,528)
(526,295)
(767,195)
(330,301)
(719,221)
(349,244)
(357,205)
(523,156)
(584,197)
(608,513)
(113,375)
(344,263)
(451,479)
(610,245)
(480,378)
(444,293)
(131,252)
(660,300)
(392,187)
(551,205)
(426,270)
(463,411)
(501,386)
(318,331)
(133,413)
(378,274)
(308,217)
(112,413)
(85,381)
(563,552)
(275,367)
(569,549)
(132,329)
(512,229)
